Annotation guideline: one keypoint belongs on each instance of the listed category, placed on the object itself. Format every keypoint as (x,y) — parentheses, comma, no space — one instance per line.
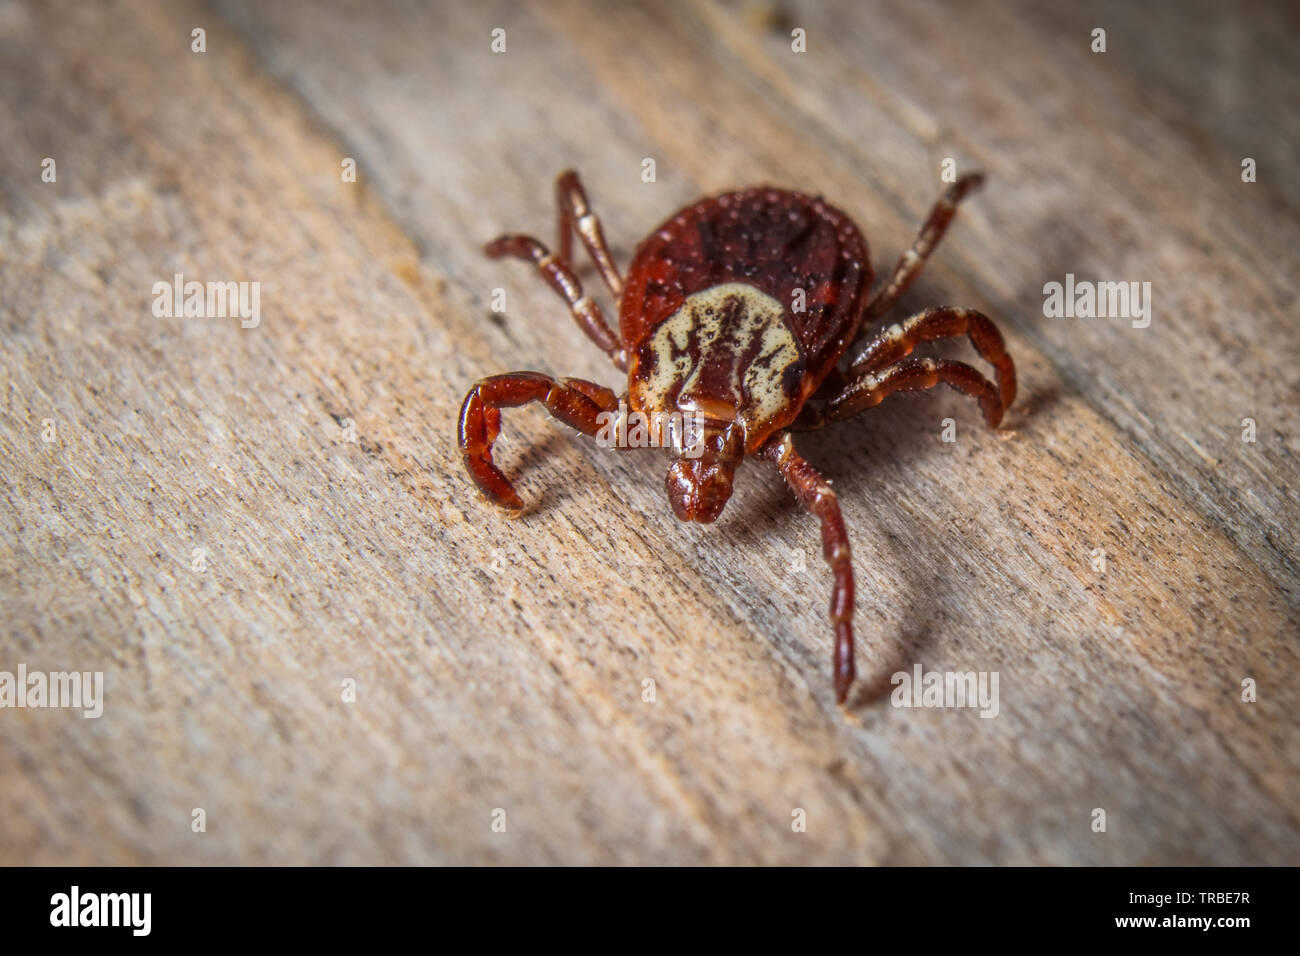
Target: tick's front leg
(580,404)
(817,498)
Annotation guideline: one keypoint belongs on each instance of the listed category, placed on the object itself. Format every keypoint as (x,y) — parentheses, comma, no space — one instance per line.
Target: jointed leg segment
(871,388)
(575,215)
(576,402)
(896,342)
(909,267)
(588,315)
(818,498)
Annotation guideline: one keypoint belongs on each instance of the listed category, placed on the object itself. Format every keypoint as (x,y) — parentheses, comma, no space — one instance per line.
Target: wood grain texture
(499,663)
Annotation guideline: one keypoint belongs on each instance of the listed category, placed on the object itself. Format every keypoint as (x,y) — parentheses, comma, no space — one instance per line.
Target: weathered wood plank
(500,663)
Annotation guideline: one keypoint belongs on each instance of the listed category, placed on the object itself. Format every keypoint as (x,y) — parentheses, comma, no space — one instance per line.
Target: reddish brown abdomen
(762,287)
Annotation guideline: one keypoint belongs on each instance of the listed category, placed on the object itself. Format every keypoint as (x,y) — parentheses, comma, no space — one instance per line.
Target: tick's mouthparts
(698,489)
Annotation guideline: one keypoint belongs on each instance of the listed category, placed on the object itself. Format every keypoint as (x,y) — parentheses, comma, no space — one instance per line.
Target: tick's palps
(735,315)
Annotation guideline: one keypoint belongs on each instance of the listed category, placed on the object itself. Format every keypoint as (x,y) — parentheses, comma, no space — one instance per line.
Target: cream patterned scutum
(728,354)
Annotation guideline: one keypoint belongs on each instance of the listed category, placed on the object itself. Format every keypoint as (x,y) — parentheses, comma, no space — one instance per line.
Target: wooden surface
(500,663)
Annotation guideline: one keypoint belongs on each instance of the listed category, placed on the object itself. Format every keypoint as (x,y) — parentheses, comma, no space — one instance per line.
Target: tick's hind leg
(560,277)
(575,215)
(575,402)
(871,388)
(897,341)
(817,497)
(913,261)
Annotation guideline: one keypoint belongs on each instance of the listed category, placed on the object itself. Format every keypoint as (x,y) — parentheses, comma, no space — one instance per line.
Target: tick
(752,313)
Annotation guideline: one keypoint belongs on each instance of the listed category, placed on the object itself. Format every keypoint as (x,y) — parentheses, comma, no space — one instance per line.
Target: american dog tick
(738,311)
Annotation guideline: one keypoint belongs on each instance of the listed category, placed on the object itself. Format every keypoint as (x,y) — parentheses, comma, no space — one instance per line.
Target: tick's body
(737,311)
(753,295)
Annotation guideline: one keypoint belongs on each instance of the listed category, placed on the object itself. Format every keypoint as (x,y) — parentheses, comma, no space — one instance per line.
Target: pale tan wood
(500,662)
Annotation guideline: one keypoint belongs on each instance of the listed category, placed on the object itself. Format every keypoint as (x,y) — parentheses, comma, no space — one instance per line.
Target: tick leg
(871,388)
(909,267)
(575,402)
(560,277)
(897,341)
(575,215)
(817,498)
